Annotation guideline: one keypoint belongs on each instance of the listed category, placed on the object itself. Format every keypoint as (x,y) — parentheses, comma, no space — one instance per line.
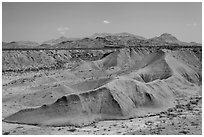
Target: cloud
(62,30)
(106,21)
(194,24)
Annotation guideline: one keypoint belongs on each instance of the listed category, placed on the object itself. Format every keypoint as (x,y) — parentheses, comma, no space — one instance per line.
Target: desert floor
(24,92)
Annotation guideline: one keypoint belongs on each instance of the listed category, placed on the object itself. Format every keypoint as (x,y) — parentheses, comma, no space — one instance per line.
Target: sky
(44,21)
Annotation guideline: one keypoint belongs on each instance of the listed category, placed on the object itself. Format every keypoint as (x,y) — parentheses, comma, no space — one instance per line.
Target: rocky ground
(183,119)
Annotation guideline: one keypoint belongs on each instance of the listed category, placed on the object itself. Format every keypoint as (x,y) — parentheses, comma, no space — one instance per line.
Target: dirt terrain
(114,91)
(184,119)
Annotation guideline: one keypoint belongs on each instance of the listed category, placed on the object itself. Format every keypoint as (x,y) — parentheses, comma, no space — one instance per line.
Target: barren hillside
(80,87)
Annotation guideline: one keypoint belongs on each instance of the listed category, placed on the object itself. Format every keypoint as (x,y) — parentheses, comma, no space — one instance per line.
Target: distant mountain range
(19,44)
(100,40)
(123,34)
(59,40)
(168,38)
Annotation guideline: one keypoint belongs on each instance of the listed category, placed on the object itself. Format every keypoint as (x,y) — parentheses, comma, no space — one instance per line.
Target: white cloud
(106,21)
(194,24)
(62,30)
